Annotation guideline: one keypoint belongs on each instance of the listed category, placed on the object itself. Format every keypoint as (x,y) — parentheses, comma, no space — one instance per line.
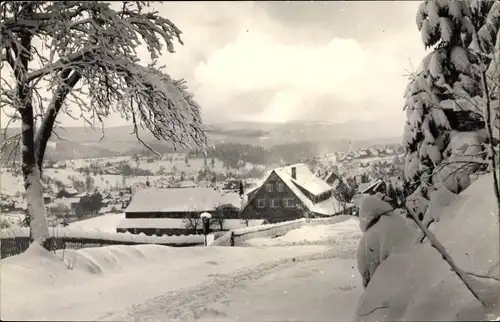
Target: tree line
(235,155)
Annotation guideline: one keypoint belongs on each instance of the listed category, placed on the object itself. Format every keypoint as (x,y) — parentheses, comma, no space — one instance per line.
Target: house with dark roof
(291,192)
(176,211)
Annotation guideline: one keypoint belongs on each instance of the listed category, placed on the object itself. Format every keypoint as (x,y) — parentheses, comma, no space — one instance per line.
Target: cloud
(280,61)
(342,70)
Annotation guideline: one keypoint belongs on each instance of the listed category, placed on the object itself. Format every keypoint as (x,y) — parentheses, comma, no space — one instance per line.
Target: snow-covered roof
(252,189)
(178,223)
(326,207)
(181,199)
(305,178)
(364,187)
(67,201)
(109,208)
(329,174)
(71,190)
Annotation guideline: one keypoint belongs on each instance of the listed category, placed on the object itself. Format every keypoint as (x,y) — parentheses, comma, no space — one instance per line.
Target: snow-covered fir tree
(444,100)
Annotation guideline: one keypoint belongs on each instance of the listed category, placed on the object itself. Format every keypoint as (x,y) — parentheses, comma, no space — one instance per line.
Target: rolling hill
(85,142)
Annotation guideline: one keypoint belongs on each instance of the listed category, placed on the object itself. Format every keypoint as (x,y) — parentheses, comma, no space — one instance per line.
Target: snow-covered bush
(385,232)
(419,285)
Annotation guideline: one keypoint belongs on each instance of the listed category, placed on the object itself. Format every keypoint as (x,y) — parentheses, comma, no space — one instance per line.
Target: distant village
(166,196)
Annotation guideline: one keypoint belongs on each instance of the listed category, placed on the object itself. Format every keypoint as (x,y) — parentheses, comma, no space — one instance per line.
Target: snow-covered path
(287,279)
(315,287)
(318,290)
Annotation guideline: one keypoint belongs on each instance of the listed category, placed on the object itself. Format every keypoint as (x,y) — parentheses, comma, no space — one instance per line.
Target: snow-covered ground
(346,233)
(148,282)
(106,223)
(13,218)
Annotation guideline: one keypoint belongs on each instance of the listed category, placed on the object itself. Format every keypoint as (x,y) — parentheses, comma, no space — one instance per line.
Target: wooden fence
(17,245)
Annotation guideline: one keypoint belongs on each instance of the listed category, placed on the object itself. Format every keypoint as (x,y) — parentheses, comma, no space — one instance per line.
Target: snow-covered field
(12,184)
(148,282)
(105,223)
(178,162)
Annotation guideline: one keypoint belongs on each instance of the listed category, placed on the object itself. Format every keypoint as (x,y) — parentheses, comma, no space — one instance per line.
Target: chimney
(294,173)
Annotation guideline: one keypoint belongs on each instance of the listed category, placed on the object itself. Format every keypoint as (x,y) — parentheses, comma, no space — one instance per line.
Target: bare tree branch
(434,242)
(46,128)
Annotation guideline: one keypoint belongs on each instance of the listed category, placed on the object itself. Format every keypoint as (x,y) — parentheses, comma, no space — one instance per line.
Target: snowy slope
(107,280)
(150,282)
(319,287)
(346,233)
(419,285)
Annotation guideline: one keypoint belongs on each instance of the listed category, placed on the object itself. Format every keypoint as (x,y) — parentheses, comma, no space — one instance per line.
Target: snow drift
(78,232)
(90,284)
(419,285)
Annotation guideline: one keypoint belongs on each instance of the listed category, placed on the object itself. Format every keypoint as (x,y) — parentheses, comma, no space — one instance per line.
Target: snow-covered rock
(419,284)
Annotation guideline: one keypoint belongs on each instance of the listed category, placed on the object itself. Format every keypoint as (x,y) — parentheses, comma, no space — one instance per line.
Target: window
(274,203)
(281,187)
(289,202)
(269,187)
(261,203)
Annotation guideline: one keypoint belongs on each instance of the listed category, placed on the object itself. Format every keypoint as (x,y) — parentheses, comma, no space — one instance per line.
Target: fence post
(231,238)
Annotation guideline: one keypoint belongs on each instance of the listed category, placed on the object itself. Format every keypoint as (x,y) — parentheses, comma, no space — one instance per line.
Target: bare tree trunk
(39,229)
(493,154)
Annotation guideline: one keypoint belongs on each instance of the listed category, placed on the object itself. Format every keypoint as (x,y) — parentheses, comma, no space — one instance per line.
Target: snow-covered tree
(446,95)
(83,57)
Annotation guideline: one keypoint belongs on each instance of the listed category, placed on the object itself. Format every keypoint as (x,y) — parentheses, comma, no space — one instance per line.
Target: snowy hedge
(76,233)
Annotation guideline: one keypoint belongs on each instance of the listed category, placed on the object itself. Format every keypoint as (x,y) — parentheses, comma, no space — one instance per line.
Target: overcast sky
(281,61)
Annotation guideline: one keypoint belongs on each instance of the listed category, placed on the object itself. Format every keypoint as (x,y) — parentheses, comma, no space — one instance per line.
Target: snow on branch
(94,46)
